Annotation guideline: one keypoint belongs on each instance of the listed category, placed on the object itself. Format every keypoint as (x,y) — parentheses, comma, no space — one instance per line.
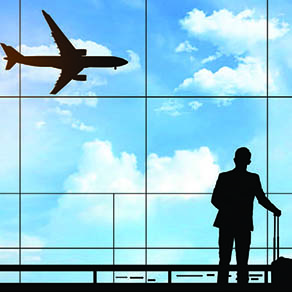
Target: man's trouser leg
(226,239)
(242,246)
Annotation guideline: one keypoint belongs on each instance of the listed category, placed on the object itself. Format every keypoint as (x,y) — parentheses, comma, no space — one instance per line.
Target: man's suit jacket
(233,196)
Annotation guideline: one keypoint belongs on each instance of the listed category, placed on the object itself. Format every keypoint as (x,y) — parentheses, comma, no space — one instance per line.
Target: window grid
(133,194)
(146,194)
(19,162)
(267,128)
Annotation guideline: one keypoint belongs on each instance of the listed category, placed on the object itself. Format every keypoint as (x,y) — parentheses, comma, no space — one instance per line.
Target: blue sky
(201,74)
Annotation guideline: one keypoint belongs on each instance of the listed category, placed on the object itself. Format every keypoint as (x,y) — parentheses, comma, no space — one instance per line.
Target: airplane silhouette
(71,61)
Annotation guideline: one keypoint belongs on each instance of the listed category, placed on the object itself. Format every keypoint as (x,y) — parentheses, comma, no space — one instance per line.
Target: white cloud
(277,29)
(100,170)
(138,4)
(232,33)
(91,102)
(66,117)
(171,107)
(185,47)
(187,171)
(130,207)
(241,35)
(82,127)
(31,241)
(93,48)
(223,101)
(40,124)
(133,63)
(195,105)
(192,59)
(28,256)
(42,50)
(87,88)
(248,78)
(9,84)
(211,58)
(69,101)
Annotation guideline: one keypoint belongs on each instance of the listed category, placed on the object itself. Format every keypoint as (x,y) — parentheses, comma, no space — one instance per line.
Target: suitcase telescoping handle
(276,248)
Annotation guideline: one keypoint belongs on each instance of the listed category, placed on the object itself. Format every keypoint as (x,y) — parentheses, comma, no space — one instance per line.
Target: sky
(206,81)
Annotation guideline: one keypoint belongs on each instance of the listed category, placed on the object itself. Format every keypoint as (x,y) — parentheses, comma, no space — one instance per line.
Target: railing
(126,268)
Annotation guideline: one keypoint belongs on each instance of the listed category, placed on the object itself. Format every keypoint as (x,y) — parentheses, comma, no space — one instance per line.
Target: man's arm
(264,201)
(216,196)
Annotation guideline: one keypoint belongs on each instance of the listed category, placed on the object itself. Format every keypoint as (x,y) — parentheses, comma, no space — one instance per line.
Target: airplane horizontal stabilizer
(12,56)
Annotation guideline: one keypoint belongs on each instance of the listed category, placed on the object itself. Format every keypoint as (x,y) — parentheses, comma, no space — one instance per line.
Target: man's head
(242,157)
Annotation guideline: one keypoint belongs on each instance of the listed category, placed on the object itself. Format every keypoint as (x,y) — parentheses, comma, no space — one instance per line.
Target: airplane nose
(125,62)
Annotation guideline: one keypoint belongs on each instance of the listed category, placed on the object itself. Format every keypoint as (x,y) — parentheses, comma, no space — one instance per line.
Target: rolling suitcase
(281,267)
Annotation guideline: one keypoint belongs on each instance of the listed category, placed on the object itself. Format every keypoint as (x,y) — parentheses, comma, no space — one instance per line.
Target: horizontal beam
(132,268)
(129,287)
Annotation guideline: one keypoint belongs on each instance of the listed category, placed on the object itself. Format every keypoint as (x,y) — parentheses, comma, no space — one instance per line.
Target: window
(120,169)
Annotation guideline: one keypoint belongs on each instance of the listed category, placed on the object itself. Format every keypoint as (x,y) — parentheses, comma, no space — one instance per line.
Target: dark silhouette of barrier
(71,61)
(126,268)
(233,196)
(169,286)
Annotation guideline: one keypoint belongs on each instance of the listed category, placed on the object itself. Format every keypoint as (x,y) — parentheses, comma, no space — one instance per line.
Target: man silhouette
(233,196)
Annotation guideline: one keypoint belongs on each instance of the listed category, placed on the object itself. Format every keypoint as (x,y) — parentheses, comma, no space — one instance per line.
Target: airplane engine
(80,77)
(82,52)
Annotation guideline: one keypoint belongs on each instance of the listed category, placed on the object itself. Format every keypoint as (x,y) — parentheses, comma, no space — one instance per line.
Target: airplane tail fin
(12,56)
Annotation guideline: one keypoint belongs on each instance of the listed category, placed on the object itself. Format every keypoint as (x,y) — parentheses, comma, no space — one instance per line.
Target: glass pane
(83,145)
(182,257)
(92,25)
(9,256)
(187,221)
(56,277)
(279,53)
(191,140)
(259,234)
(181,221)
(9,147)
(157,277)
(67,256)
(9,31)
(208,47)
(9,225)
(129,257)
(9,277)
(67,221)
(256,257)
(284,203)
(104,277)
(129,220)
(280,157)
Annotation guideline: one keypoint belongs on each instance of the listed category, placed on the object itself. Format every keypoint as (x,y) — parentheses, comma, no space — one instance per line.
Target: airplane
(71,61)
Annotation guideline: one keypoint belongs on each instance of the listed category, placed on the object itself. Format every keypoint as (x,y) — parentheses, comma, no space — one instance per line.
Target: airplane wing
(64,45)
(65,77)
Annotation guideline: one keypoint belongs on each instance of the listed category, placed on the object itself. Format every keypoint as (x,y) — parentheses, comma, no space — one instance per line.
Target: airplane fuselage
(82,61)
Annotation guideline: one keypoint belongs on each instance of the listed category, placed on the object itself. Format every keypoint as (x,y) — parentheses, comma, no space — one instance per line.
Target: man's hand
(277,212)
